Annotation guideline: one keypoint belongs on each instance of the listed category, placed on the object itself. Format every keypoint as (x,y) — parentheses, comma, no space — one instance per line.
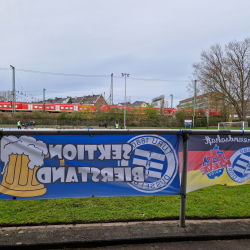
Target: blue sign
(80,166)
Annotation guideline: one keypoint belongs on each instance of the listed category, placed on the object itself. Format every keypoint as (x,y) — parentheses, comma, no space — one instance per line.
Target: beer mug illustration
(22,156)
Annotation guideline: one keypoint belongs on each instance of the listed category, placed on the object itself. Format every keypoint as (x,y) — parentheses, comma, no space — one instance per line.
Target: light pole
(43,99)
(13,91)
(126,75)
(194,104)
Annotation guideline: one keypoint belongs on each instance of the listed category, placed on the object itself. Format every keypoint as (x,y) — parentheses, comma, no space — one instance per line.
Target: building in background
(97,100)
(139,104)
(58,100)
(128,104)
(209,101)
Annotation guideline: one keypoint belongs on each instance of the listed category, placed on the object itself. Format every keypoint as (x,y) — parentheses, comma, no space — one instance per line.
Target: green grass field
(212,202)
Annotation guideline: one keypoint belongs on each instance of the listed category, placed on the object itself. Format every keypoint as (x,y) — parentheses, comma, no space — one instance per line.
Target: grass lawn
(194,128)
(212,202)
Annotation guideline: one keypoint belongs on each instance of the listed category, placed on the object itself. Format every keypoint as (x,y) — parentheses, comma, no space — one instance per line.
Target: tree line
(137,118)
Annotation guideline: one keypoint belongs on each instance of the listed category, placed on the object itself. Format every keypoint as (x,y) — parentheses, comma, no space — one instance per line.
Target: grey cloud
(149,39)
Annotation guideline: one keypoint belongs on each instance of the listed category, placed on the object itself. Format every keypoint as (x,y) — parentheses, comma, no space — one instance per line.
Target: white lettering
(211,141)
(105,151)
(80,152)
(43,175)
(71,175)
(107,174)
(116,151)
(58,174)
(138,174)
(50,175)
(91,149)
(127,148)
(55,150)
(84,171)
(119,174)
(69,152)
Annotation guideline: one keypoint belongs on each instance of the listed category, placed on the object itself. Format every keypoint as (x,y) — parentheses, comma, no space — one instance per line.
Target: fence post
(1,135)
(184,179)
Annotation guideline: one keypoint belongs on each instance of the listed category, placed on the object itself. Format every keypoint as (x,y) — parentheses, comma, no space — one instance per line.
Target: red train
(50,107)
(59,107)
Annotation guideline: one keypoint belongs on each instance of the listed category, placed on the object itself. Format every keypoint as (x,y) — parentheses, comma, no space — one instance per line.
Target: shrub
(180,117)
(132,124)
(64,115)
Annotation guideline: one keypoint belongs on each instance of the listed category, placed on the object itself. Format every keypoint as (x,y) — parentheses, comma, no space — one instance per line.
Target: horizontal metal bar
(122,131)
(88,132)
(215,132)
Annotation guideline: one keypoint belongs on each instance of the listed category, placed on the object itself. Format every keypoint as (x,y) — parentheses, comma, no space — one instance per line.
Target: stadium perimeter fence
(183,137)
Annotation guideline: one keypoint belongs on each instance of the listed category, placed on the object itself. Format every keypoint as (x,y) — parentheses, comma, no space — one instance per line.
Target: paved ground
(110,234)
(242,244)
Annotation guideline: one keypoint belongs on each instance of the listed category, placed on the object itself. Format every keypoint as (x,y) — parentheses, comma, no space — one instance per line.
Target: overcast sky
(150,39)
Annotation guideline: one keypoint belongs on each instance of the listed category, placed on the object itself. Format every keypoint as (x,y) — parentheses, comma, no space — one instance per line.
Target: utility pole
(160,98)
(126,75)
(162,106)
(207,113)
(13,91)
(194,107)
(171,101)
(111,92)
(209,101)
(43,99)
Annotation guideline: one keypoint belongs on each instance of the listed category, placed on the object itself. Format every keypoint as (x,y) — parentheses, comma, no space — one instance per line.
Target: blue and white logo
(239,170)
(158,157)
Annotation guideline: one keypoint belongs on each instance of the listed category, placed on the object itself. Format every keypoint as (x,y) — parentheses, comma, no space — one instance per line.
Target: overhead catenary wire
(5,68)
(82,75)
(34,95)
(25,95)
(157,80)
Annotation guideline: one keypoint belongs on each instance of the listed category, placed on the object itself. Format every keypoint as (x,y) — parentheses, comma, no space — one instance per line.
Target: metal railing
(184,133)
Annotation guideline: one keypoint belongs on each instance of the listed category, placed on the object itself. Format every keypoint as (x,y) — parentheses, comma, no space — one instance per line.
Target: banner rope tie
(183,195)
(242,130)
(181,133)
(89,131)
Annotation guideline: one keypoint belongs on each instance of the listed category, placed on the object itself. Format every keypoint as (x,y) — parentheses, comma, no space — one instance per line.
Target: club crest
(239,170)
(158,157)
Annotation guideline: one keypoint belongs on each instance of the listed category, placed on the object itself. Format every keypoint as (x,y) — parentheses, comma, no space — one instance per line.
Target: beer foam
(24,145)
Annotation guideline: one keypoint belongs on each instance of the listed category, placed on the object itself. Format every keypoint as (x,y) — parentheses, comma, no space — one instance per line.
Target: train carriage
(50,107)
(70,107)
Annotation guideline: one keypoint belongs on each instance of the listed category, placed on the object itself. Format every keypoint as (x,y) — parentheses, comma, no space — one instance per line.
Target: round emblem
(239,170)
(158,157)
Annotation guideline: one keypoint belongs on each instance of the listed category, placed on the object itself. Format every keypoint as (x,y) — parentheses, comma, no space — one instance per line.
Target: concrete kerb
(102,234)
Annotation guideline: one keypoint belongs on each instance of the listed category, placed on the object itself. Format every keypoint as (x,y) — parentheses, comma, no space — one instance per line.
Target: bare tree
(226,72)
(191,88)
(5,96)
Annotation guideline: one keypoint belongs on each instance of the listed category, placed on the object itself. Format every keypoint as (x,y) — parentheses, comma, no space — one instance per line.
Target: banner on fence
(71,166)
(218,160)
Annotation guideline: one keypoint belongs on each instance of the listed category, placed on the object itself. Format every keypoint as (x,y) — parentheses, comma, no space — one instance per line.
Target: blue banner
(81,166)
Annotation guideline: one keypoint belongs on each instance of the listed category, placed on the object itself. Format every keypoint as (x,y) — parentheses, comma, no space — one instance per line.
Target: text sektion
(88,152)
